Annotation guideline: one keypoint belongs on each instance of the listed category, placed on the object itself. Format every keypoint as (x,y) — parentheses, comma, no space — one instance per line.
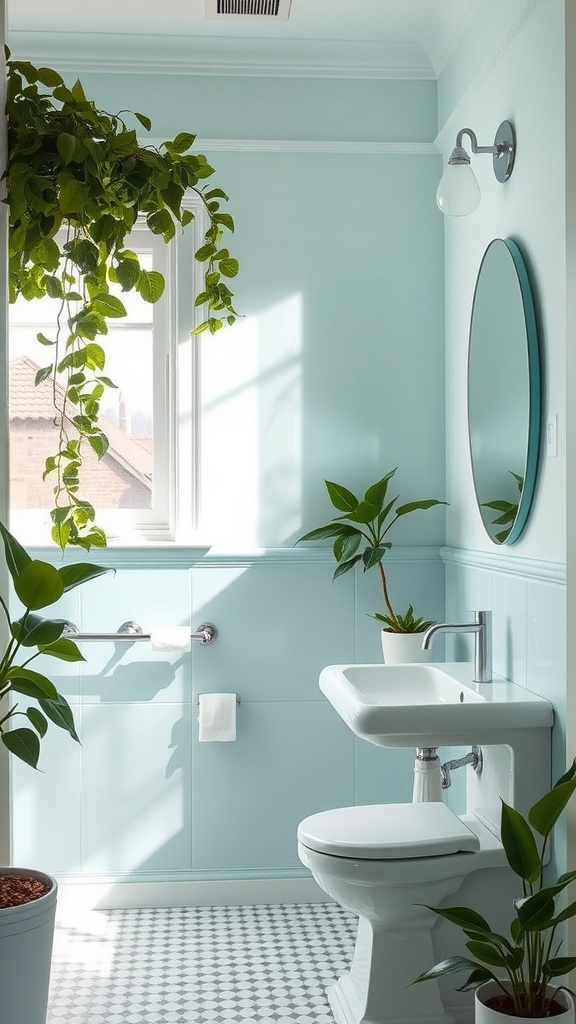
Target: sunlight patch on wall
(251,446)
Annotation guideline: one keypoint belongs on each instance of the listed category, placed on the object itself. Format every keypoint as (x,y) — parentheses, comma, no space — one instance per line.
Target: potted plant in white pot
(27,896)
(360,536)
(514,976)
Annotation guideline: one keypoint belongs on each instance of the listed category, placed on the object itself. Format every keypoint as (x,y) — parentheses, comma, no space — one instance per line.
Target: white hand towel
(216,717)
(170,638)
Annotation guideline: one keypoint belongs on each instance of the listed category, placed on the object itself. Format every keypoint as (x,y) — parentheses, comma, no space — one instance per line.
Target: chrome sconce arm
(458,193)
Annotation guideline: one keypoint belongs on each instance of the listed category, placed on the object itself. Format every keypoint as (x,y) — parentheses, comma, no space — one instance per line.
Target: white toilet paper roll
(170,638)
(216,717)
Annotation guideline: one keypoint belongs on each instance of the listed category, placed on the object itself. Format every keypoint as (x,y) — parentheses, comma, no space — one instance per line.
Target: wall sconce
(458,193)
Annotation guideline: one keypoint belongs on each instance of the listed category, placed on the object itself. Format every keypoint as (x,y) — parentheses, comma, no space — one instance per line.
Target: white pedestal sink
(430,705)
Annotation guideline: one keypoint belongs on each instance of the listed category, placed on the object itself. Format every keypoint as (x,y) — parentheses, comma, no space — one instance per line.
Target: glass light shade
(458,192)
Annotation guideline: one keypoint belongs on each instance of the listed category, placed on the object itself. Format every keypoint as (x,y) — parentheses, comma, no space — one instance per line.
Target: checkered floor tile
(200,965)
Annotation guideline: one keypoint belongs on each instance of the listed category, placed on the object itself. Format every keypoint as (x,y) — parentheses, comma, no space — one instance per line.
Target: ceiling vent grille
(277,9)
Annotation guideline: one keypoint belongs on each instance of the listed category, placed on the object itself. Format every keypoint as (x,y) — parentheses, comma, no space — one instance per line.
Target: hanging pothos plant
(77,173)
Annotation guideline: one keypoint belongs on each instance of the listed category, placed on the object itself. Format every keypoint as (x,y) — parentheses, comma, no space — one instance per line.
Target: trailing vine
(80,173)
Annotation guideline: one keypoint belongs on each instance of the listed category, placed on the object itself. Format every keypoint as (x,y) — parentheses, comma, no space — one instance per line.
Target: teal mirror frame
(523,316)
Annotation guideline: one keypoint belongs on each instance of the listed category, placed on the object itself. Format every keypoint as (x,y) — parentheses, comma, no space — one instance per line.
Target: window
(144,488)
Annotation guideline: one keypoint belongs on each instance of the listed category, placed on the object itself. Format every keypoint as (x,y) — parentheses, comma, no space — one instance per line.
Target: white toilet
(385,863)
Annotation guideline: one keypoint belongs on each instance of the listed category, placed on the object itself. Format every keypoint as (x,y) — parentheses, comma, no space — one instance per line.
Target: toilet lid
(387,832)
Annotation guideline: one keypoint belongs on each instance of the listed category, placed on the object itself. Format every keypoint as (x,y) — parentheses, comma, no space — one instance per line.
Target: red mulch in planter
(18,889)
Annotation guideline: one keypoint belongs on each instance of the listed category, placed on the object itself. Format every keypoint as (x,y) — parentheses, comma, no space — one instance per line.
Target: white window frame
(173,517)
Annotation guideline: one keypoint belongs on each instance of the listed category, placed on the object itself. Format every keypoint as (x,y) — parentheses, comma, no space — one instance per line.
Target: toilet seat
(388,832)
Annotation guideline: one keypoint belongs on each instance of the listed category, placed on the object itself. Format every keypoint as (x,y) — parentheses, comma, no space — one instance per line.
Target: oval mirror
(503,392)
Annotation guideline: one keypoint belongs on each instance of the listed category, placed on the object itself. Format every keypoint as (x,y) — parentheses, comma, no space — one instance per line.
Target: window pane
(123,478)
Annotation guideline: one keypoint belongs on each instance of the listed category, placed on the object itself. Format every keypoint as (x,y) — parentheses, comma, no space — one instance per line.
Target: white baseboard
(78,897)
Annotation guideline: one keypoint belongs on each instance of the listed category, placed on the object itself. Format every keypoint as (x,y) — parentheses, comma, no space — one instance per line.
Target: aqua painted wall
(336,371)
(511,65)
(142,799)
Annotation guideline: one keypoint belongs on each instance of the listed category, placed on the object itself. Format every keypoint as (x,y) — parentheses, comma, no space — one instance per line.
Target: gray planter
(26,934)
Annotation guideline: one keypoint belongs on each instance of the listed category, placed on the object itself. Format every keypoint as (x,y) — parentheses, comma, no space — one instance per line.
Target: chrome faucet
(482,628)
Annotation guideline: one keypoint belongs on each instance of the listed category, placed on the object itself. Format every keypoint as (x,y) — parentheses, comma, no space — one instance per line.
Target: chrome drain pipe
(474,758)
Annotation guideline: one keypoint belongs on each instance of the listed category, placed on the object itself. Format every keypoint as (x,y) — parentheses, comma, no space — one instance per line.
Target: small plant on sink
(360,535)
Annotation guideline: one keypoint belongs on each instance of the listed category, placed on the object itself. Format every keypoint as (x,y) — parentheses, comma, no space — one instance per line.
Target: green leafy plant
(507,511)
(77,179)
(359,535)
(38,585)
(524,964)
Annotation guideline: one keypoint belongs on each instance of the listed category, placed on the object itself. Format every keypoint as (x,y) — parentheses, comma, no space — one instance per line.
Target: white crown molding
(538,570)
(447,22)
(455,121)
(85,52)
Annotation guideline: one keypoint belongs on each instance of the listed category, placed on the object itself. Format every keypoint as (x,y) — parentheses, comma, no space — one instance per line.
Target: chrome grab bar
(129,632)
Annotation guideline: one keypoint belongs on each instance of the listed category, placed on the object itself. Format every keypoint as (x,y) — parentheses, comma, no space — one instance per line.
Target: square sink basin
(430,705)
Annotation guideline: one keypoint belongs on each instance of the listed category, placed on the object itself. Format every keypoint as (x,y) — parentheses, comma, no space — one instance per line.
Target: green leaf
(346,566)
(61,533)
(53,287)
(127,274)
(372,556)
(60,712)
(376,494)
(564,915)
(23,743)
(32,630)
(73,197)
(363,513)
(66,146)
(38,721)
(558,966)
(95,354)
(476,978)
(453,965)
(412,506)
(43,340)
(109,305)
(31,684)
(205,252)
(38,585)
(182,142)
(49,77)
(99,444)
(225,220)
(519,844)
(16,557)
(463,917)
(64,649)
(487,953)
(150,285)
(324,532)
(229,267)
(74,575)
(346,545)
(341,497)
(144,120)
(43,374)
(546,811)
(535,910)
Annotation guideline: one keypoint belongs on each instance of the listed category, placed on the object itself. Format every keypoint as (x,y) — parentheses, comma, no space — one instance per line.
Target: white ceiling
(371,37)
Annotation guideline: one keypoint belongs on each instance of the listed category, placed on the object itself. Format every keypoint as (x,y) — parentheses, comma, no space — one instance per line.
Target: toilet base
(378,988)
